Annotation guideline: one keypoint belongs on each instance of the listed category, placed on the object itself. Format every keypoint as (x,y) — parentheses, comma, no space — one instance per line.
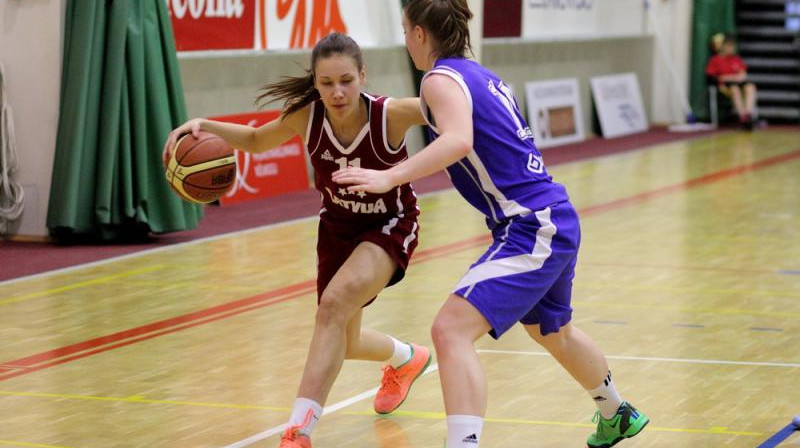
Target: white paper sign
(582,18)
(554,111)
(618,101)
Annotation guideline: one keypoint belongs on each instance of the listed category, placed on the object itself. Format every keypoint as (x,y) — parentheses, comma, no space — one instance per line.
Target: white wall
(675,26)
(31,36)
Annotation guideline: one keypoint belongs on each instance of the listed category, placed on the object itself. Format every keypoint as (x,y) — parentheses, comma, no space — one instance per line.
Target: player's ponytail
(298,92)
(447,21)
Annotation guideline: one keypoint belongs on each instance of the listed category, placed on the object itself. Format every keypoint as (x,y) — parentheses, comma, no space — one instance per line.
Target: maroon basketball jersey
(370,150)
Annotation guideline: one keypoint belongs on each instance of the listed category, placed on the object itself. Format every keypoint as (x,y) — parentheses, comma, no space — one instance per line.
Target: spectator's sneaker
(627,422)
(292,438)
(396,382)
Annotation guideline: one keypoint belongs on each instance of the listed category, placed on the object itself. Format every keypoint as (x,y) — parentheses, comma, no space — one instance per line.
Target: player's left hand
(360,179)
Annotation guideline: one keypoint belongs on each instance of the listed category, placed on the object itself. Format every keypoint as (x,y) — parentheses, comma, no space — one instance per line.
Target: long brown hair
(447,21)
(299,91)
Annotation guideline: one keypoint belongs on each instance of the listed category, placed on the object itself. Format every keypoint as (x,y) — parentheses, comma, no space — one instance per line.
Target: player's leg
(548,324)
(456,328)
(362,276)
(738,101)
(405,362)
(750,98)
(366,344)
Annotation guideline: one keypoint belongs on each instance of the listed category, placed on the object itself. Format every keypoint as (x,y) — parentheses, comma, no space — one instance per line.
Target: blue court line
(766,329)
(689,325)
(787,272)
(612,322)
(779,436)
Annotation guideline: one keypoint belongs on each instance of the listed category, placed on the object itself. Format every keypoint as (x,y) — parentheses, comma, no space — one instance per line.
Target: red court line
(696,182)
(102,344)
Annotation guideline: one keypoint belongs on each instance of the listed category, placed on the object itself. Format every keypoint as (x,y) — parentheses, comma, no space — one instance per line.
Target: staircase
(769,42)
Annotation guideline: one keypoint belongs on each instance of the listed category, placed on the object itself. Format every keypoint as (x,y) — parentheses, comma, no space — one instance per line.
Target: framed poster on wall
(619,105)
(554,111)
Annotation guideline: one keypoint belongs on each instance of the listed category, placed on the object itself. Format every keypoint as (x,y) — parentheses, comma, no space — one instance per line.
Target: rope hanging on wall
(12,196)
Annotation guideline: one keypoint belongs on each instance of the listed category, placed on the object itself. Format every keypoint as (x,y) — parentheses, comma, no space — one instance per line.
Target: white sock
(306,414)
(464,431)
(401,354)
(606,397)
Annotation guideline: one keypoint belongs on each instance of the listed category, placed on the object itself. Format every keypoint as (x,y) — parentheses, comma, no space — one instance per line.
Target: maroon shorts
(337,239)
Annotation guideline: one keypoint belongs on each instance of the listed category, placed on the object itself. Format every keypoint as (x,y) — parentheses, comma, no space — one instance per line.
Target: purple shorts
(526,274)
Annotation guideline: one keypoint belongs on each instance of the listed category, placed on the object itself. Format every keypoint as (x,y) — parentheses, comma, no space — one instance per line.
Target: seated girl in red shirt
(730,71)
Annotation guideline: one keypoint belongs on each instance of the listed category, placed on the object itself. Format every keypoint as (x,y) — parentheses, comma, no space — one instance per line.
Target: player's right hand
(192,126)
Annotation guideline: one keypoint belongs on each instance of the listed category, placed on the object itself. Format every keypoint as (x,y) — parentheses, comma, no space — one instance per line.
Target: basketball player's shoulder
(299,119)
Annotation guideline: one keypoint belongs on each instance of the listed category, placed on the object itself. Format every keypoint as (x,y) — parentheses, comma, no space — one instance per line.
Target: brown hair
(299,91)
(446,20)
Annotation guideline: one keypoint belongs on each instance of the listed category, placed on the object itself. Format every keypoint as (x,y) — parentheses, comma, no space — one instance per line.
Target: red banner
(502,18)
(261,175)
(213,24)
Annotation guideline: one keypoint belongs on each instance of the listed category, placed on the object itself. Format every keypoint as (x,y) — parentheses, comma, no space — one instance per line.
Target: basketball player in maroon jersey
(365,240)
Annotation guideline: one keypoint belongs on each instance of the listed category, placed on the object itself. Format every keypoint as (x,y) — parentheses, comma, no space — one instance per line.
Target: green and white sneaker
(627,422)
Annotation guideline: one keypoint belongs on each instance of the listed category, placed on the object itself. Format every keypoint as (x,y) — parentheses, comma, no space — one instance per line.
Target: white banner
(301,23)
(582,18)
(554,111)
(203,25)
(619,104)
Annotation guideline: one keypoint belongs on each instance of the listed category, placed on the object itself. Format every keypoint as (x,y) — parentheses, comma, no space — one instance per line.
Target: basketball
(201,169)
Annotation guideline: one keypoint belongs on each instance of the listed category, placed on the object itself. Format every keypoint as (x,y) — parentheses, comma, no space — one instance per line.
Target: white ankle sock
(401,354)
(464,431)
(606,397)
(300,415)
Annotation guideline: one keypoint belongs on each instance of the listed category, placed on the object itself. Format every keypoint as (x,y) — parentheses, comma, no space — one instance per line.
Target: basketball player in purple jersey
(365,239)
(526,274)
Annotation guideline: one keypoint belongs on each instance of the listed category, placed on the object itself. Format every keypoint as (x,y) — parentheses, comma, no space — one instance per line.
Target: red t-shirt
(725,65)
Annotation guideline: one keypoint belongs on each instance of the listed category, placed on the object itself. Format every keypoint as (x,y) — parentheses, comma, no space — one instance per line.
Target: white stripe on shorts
(516,264)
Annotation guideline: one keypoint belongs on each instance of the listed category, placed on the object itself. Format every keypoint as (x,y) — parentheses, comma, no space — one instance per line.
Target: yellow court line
(441,416)
(772,292)
(681,309)
(140,399)
(28,444)
(72,286)
(409,414)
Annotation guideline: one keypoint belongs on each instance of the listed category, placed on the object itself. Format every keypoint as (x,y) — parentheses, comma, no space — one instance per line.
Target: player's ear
(362,75)
(419,34)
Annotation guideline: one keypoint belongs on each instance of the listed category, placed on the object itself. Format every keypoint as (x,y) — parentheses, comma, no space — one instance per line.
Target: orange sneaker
(292,438)
(396,382)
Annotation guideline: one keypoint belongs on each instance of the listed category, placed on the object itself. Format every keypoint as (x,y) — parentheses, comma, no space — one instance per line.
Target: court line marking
(688,309)
(10,369)
(154,250)
(721,430)
(327,410)
(634,287)
(83,349)
(28,444)
(71,286)
(206,239)
(143,400)
(779,436)
(657,359)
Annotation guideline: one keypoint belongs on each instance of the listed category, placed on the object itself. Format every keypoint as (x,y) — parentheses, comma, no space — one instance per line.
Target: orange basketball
(201,169)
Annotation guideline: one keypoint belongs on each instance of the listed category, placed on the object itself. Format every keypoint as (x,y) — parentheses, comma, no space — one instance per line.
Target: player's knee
(444,331)
(352,349)
(552,341)
(333,309)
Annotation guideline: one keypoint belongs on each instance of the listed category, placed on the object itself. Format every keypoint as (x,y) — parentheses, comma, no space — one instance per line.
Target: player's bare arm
(402,114)
(453,116)
(243,137)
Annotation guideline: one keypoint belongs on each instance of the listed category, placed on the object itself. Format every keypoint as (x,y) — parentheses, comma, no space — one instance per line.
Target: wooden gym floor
(689,279)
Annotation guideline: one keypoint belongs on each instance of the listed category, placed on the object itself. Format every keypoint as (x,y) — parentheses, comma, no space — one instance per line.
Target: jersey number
(344,163)
(503,94)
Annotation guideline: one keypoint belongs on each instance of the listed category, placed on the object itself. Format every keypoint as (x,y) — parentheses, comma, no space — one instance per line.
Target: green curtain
(710,17)
(121,94)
